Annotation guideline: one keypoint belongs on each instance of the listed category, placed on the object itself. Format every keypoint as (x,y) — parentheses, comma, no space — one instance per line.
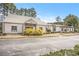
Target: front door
(27,25)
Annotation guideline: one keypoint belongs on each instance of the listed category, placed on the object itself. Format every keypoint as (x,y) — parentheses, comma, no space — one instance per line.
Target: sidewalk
(12,37)
(20,36)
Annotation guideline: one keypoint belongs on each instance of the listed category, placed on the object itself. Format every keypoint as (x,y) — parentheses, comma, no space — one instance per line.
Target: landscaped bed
(65,52)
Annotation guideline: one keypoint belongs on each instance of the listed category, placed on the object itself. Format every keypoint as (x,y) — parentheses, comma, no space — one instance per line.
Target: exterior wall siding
(50,27)
(43,28)
(21,27)
(58,29)
(7,28)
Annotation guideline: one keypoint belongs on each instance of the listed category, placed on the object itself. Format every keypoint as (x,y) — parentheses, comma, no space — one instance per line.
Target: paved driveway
(36,46)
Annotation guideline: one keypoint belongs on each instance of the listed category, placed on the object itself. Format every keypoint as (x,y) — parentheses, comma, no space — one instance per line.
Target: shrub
(77,30)
(76,49)
(56,53)
(3,34)
(30,31)
(67,52)
(37,32)
(48,31)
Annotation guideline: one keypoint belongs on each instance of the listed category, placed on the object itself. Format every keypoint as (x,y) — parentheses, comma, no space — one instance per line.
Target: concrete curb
(25,37)
(3,37)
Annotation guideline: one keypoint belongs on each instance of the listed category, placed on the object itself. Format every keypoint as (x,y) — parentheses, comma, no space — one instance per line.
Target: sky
(49,11)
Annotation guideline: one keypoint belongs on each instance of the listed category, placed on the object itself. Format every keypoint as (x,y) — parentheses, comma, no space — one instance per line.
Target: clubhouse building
(15,24)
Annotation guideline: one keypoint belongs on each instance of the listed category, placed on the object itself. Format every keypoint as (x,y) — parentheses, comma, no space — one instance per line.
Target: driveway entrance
(36,46)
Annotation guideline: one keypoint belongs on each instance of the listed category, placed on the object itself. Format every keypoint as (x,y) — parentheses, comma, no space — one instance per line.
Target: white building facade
(14,24)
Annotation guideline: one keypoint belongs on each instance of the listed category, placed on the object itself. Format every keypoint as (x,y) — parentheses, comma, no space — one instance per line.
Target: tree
(21,11)
(4,7)
(17,11)
(25,12)
(58,19)
(8,7)
(11,8)
(31,12)
(71,20)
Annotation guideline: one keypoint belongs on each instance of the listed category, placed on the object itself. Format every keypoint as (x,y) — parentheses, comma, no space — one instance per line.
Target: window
(14,28)
(0,27)
(61,29)
(54,29)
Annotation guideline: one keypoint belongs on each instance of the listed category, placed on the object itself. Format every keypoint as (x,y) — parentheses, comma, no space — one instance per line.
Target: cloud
(48,19)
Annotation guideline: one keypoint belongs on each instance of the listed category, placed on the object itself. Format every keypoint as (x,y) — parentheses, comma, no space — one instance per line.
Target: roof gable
(23,19)
(32,21)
